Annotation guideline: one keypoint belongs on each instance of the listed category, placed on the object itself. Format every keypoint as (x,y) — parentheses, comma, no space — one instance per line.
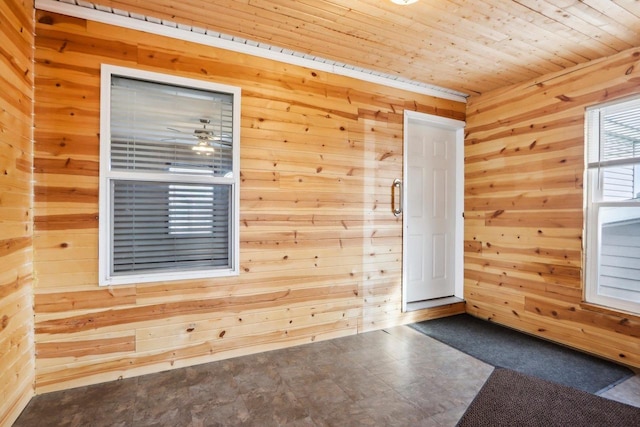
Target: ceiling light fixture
(204,136)
(403,2)
(203,147)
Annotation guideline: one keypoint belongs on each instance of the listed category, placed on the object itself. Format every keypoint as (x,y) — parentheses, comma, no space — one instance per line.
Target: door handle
(397,187)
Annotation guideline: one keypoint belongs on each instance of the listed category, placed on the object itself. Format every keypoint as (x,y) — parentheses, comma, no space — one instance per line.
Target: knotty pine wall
(17,360)
(320,250)
(524,163)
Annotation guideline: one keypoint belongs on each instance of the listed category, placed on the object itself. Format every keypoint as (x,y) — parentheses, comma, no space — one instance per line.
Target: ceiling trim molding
(86,10)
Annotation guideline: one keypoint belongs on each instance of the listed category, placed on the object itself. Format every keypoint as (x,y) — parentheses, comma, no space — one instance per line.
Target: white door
(432,193)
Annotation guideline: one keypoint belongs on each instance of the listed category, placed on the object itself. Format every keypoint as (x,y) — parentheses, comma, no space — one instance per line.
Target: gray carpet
(510,398)
(504,347)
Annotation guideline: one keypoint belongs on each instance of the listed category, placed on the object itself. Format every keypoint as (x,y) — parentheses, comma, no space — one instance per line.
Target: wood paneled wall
(524,165)
(17,361)
(320,250)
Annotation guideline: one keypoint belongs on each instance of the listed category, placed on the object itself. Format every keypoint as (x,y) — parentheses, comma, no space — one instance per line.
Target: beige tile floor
(626,392)
(395,377)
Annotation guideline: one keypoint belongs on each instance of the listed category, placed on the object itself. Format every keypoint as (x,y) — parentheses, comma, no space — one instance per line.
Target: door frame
(458,127)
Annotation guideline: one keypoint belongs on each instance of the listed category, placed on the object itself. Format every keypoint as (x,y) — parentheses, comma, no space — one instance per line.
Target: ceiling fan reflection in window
(206,138)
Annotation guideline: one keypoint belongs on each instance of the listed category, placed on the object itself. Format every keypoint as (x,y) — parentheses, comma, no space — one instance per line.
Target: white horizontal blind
(159,225)
(613,138)
(155,127)
(613,133)
(171,150)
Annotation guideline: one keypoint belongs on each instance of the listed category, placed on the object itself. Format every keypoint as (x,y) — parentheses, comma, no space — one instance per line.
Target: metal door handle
(397,186)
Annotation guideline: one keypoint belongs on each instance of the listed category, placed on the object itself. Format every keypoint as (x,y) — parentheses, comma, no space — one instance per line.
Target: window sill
(167,277)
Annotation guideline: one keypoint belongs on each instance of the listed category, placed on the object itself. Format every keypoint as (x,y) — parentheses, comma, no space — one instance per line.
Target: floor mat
(504,347)
(510,398)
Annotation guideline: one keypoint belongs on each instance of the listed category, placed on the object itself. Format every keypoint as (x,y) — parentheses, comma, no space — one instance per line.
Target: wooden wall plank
(524,208)
(17,357)
(77,348)
(94,371)
(320,250)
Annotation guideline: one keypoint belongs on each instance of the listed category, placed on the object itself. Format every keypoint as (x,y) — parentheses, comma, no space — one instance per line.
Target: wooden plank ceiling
(466,45)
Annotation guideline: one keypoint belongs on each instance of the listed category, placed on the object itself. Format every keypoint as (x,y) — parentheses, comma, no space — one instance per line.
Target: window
(169,162)
(613,205)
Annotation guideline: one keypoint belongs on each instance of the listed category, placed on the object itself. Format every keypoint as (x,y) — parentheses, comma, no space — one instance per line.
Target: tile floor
(395,377)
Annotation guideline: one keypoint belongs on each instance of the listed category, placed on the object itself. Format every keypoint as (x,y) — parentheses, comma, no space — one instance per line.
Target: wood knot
(46,20)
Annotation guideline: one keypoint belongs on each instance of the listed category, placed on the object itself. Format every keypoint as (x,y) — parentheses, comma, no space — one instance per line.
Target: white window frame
(107,175)
(593,205)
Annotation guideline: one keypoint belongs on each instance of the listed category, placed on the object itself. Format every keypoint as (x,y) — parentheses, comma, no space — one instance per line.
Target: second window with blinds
(613,205)
(168,178)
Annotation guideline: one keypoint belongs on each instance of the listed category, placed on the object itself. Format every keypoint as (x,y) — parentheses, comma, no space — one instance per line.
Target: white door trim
(458,126)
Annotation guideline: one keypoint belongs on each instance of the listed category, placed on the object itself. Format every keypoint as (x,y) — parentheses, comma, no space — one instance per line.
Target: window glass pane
(160,226)
(158,127)
(621,134)
(612,248)
(621,183)
(619,270)
(169,183)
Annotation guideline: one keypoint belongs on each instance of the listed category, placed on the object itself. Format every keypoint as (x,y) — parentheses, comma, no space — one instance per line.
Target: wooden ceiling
(470,46)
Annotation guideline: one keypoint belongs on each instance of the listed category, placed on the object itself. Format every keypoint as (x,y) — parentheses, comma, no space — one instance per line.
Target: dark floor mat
(510,398)
(504,347)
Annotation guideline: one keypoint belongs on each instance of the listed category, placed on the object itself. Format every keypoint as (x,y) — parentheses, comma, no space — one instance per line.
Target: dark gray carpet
(510,398)
(504,347)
